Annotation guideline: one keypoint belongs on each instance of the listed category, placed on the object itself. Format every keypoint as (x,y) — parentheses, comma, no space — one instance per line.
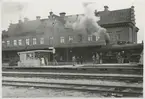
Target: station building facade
(54,32)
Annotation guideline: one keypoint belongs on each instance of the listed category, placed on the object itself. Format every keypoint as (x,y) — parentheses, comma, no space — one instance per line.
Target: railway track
(79,78)
(118,89)
(123,77)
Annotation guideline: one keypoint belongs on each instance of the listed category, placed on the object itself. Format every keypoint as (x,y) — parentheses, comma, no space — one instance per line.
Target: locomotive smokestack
(106,36)
(89,22)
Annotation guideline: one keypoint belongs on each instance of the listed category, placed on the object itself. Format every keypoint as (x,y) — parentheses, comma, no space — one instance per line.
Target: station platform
(79,66)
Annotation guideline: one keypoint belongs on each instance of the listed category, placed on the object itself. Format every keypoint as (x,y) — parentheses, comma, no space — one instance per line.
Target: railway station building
(53,32)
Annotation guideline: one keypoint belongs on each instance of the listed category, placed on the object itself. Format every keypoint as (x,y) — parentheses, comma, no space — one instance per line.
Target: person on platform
(74,60)
(55,60)
(78,60)
(119,57)
(122,58)
(94,59)
(100,60)
(81,59)
(97,58)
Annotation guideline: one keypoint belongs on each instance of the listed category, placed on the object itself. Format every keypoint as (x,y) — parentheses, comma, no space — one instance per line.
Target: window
(15,42)
(27,42)
(29,56)
(41,40)
(8,43)
(70,38)
(34,41)
(97,38)
(118,36)
(51,37)
(90,38)
(51,40)
(111,36)
(20,42)
(61,39)
(80,37)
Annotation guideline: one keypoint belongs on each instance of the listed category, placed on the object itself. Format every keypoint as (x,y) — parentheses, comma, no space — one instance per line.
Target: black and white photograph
(72,48)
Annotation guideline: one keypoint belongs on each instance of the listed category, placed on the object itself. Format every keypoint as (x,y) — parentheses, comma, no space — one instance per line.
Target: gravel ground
(30,92)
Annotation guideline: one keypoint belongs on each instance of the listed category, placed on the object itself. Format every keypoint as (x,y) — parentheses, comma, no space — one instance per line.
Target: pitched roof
(38,26)
(108,17)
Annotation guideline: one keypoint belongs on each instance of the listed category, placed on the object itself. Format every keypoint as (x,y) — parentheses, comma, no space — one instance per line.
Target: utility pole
(53,24)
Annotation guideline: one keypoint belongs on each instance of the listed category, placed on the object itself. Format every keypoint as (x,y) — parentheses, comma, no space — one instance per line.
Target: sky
(13,10)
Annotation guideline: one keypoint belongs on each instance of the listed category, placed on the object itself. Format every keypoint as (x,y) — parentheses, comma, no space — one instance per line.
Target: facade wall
(134,35)
(79,37)
(119,34)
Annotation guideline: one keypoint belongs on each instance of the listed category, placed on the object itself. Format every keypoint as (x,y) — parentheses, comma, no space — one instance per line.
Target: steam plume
(89,22)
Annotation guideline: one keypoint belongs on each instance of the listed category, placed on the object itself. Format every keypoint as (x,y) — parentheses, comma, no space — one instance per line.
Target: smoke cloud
(88,22)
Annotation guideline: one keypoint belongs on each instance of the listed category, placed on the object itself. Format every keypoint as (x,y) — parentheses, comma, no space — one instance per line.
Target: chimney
(96,13)
(26,19)
(106,8)
(38,17)
(62,14)
(51,13)
(20,21)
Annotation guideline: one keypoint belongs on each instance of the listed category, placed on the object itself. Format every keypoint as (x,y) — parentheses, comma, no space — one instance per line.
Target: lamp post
(53,49)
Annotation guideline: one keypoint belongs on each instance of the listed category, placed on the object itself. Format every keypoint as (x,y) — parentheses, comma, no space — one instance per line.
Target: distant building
(53,32)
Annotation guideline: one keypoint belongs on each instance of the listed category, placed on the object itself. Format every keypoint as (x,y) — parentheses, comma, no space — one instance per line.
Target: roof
(34,27)
(108,17)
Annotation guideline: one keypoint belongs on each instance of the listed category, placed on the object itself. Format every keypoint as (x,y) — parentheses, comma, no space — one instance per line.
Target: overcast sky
(13,10)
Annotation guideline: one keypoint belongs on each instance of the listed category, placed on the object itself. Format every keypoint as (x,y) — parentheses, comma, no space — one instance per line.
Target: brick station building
(53,32)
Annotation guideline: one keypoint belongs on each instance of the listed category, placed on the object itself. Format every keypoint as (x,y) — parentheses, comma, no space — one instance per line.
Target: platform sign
(51,47)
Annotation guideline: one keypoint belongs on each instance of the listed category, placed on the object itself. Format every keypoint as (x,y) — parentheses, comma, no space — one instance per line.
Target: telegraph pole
(53,24)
